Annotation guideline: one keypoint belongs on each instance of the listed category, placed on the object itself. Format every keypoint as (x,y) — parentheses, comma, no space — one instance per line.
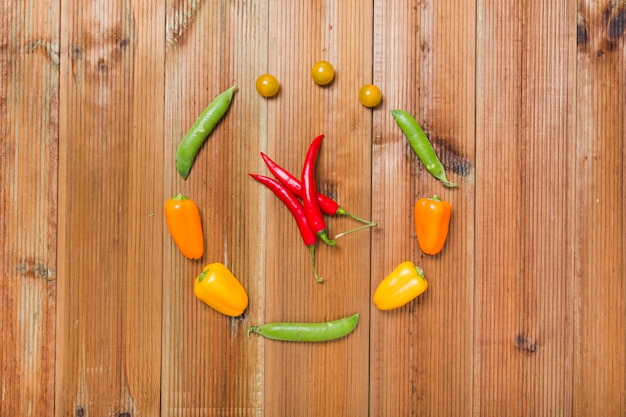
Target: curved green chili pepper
(202,127)
(421,145)
(307,332)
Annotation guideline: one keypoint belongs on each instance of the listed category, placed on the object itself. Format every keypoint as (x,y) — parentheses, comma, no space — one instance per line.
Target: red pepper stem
(312,252)
(342,212)
(325,238)
(356,229)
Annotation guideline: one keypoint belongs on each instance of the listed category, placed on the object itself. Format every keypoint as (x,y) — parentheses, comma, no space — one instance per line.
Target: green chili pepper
(307,332)
(421,145)
(202,127)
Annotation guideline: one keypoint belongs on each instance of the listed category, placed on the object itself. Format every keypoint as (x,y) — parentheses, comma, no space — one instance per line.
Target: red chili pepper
(297,210)
(309,194)
(327,204)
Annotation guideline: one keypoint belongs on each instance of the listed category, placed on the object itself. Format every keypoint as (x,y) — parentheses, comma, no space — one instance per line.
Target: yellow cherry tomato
(323,72)
(370,95)
(267,85)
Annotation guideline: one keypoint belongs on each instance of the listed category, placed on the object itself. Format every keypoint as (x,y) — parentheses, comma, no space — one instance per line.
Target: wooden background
(525,102)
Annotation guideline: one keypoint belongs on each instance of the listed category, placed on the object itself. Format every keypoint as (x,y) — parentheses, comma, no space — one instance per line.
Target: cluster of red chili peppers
(305,203)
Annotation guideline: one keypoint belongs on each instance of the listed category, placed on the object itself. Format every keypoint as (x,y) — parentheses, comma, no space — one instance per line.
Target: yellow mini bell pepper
(400,287)
(432,220)
(219,288)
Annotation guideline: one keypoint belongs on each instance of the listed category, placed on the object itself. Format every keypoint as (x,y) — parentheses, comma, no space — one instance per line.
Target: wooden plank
(328,379)
(29,96)
(498,119)
(421,358)
(600,357)
(525,203)
(210,367)
(110,209)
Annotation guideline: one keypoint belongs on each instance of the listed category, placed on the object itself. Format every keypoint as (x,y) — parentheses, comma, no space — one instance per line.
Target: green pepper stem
(447,183)
(420,271)
(252,329)
(202,276)
(326,239)
(180,197)
(342,212)
(312,252)
(356,229)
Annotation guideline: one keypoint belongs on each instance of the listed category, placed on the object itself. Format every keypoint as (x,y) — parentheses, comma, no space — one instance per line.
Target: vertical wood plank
(210,366)
(29,94)
(600,357)
(327,379)
(499,49)
(110,209)
(525,201)
(422,356)
(141,326)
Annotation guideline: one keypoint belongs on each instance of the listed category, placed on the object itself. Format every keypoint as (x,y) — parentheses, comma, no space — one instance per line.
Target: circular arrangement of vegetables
(221,290)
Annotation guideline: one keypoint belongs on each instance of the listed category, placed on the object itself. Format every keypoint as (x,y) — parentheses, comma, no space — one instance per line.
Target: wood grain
(29,104)
(525,199)
(209,365)
(110,205)
(600,357)
(424,64)
(524,103)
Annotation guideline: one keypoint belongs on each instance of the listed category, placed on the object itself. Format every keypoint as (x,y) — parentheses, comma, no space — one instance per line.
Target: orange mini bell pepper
(432,221)
(400,287)
(218,287)
(183,221)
